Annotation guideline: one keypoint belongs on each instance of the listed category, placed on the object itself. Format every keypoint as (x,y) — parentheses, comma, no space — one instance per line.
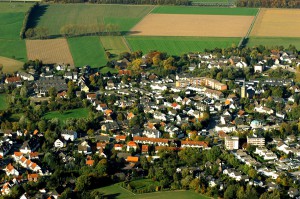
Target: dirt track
(49,51)
(193,25)
(277,23)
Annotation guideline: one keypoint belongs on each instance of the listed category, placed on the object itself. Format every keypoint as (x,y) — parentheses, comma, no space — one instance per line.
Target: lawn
(114,44)
(204,10)
(87,51)
(178,45)
(11,20)
(117,192)
(3,102)
(74,114)
(274,41)
(55,16)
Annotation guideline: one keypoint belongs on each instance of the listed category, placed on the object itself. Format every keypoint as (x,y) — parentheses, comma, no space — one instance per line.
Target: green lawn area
(106,69)
(75,113)
(11,20)
(55,16)
(3,102)
(114,44)
(142,183)
(274,41)
(178,45)
(87,51)
(205,10)
(117,192)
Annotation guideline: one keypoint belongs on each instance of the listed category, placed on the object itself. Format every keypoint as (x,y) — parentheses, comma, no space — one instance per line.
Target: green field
(11,20)
(3,102)
(87,51)
(178,45)
(204,10)
(274,41)
(55,16)
(114,44)
(74,114)
(117,192)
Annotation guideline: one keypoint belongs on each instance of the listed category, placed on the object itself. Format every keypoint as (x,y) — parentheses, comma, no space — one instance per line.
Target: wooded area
(269,3)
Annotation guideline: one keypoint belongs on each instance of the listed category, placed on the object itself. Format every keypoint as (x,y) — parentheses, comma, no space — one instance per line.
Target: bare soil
(193,25)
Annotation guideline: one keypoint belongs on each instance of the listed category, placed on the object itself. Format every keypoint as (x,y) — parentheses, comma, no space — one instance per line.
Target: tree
(23,92)
(42,125)
(230,192)
(83,183)
(195,184)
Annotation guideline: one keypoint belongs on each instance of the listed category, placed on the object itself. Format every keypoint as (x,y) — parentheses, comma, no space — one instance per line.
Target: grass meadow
(11,20)
(274,41)
(3,102)
(114,44)
(178,45)
(87,51)
(205,10)
(62,117)
(55,16)
(117,192)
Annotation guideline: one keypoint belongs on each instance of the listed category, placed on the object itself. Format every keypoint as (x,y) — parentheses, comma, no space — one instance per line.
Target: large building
(256,141)
(231,143)
(201,81)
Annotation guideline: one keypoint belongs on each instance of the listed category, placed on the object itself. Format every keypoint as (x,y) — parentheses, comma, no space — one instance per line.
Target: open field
(178,45)
(56,16)
(277,23)
(74,114)
(193,25)
(11,19)
(87,51)
(204,10)
(10,65)
(117,192)
(3,102)
(274,41)
(114,44)
(49,51)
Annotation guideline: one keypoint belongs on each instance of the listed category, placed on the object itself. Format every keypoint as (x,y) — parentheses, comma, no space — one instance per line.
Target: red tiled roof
(121,137)
(17,153)
(137,138)
(13,79)
(132,144)
(132,159)
(10,167)
(145,148)
(89,162)
(198,143)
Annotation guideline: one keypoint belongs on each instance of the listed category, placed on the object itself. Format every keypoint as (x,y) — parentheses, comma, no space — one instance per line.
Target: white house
(10,170)
(59,143)
(69,135)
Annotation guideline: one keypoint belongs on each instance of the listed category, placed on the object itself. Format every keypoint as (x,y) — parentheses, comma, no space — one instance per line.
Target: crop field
(74,114)
(56,16)
(204,10)
(87,51)
(179,45)
(10,65)
(11,19)
(193,25)
(277,23)
(274,41)
(49,51)
(114,44)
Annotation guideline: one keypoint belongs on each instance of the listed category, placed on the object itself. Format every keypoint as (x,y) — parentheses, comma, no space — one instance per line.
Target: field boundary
(127,44)
(252,24)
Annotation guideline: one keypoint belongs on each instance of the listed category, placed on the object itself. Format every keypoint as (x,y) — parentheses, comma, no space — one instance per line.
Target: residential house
(30,145)
(10,170)
(131,145)
(69,135)
(60,143)
(231,143)
(194,144)
(155,141)
(256,141)
(13,80)
(84,148)
(33,177)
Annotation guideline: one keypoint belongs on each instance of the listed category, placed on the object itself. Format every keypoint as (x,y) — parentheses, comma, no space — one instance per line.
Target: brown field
(277,23)
(49,51)
(193,25)
(10,65)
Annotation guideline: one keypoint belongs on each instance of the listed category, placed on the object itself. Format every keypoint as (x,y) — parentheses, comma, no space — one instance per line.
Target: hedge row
(26,18)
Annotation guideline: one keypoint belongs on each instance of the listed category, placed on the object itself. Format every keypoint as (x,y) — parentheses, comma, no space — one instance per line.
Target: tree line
(72,30)
(269,3)
(155,2)
(26,19)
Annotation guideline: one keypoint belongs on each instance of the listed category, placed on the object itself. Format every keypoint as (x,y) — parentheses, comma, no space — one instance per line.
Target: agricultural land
(178,45)
(50,51)
(114,44)
(274,41)
(11,46)
(10,65)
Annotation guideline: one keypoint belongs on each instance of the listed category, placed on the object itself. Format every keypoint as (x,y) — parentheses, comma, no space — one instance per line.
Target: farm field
(193,25)
(114,44)
(56,16)
(74,114)
(204,10)
(274,41)
(3,102)
(49,51)
(11,20)
(277,23)
(178,45)
(87,51)
(10,65)
(117,192)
